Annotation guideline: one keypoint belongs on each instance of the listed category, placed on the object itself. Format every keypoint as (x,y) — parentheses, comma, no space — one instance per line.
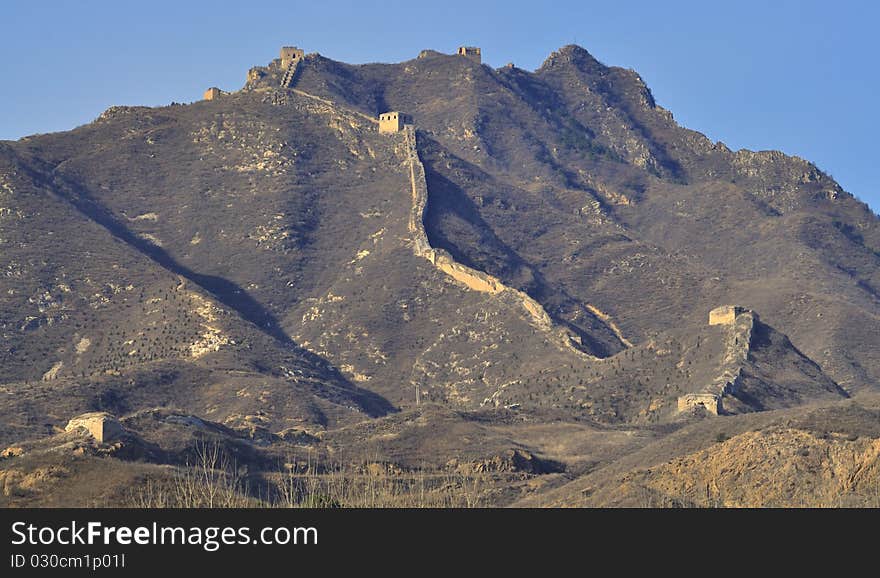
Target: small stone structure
(708,401)
(212,93)
(725,315)
(393,121)
(290,54)
(472,52)
(101,425)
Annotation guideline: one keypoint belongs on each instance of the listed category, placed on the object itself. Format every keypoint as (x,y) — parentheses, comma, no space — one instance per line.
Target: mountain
(518,283)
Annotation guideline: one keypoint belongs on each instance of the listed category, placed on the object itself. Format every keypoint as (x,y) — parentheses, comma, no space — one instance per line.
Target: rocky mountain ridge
(542,247)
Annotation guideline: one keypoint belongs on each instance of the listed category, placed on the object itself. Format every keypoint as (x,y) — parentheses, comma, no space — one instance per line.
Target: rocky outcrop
(509,461)
(20,483)
(775,467)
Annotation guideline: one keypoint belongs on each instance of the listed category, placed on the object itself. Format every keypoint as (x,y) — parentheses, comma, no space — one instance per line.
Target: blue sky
(798,76)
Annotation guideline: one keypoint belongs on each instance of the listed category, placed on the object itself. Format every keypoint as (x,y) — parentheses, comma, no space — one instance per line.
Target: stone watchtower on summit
(212,93)
(291,57)
(290,54)
(472,52)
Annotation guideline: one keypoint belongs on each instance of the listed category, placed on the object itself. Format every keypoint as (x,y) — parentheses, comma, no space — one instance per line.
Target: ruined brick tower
(101,425)
(290,54)
(393,121)
(725,315)
(472,52)
(212,93)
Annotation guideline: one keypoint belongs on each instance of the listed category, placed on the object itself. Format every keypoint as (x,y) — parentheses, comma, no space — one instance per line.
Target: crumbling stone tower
(472,52)
(393,121)
(101,425)
(290,54)
(212,93)
(725,315)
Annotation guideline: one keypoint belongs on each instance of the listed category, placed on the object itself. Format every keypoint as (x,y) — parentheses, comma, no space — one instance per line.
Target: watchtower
(101,425)
(290,54)
(393,121)
(708,401)
(725,315)
(212,93)
(472,52)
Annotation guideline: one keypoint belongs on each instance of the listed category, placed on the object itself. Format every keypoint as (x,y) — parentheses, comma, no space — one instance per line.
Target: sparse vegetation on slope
(256,263)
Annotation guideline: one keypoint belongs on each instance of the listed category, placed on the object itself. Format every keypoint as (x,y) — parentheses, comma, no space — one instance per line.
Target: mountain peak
(571,54)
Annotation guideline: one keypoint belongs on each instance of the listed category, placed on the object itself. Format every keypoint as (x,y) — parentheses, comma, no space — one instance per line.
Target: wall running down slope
(442,260)
(471,278)
(290,74)
(738,344)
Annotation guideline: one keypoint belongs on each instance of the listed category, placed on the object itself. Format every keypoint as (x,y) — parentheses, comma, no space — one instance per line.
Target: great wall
(396,122)
(472,278)
(607,320)
(740,325)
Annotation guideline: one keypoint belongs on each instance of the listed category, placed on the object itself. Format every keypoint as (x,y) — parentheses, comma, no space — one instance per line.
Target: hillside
(535,256)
